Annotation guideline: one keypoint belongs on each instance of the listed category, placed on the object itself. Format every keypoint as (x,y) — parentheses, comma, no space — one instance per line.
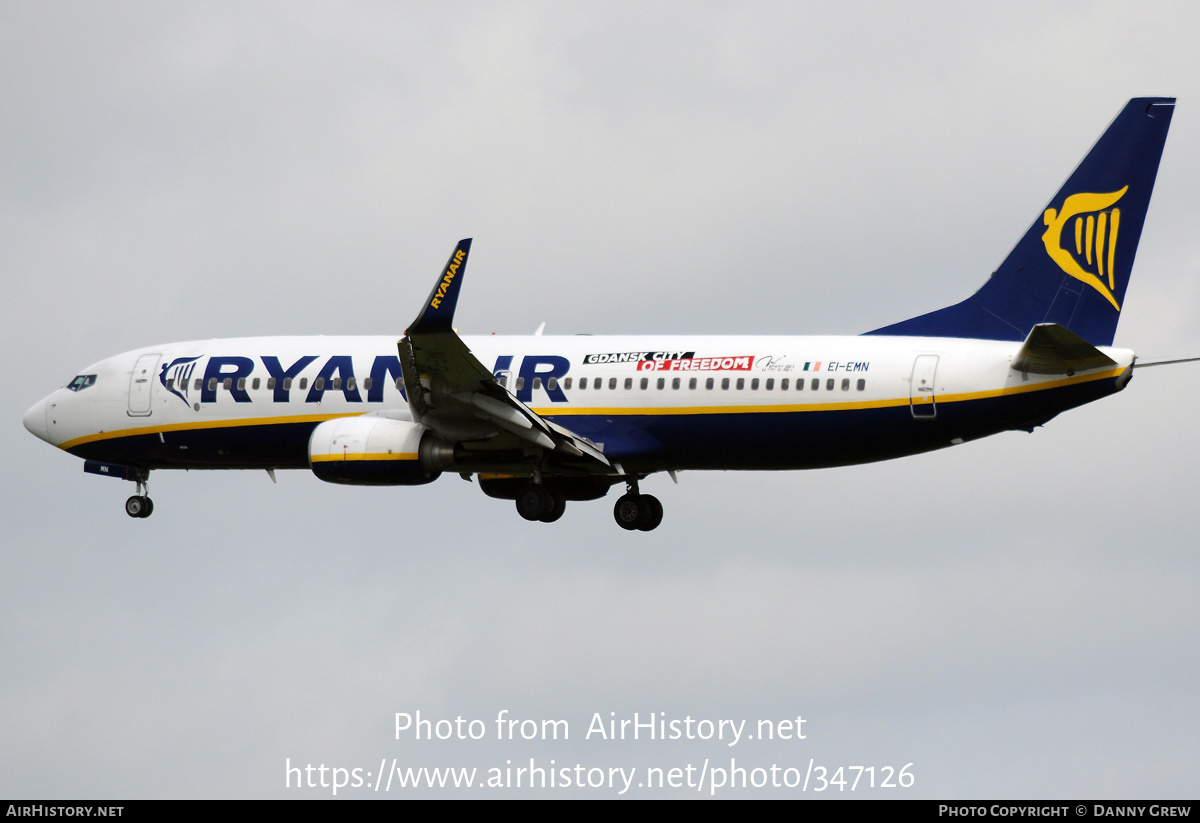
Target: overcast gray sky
(1015,617)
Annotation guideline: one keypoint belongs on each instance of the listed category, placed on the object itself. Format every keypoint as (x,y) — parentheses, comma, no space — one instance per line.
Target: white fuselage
(656,403)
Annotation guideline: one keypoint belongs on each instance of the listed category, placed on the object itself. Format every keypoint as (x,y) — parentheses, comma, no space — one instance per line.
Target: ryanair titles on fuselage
(336,373)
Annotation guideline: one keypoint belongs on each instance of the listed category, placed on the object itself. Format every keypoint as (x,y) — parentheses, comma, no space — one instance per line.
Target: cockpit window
(82,382)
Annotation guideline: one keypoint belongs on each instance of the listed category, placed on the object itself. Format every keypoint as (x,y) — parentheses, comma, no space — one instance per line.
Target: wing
(454,394)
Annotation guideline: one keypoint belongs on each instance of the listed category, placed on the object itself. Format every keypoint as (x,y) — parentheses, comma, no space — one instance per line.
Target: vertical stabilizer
(1073,264)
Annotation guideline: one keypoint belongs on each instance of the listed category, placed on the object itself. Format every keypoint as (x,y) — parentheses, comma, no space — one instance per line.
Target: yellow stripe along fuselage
(640,403)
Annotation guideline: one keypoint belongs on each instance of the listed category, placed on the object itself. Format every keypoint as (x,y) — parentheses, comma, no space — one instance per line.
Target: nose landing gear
(140,505)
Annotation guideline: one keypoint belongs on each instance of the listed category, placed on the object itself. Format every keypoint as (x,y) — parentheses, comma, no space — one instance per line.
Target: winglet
(437,315)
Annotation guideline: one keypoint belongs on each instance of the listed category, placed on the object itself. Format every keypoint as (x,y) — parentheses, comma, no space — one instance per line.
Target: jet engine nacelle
(374,451)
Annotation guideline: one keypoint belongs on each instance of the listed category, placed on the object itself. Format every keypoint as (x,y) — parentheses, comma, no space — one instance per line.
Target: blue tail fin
(1073,264)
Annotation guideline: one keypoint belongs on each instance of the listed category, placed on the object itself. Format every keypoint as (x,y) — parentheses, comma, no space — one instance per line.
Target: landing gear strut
(635,511)
(140,505)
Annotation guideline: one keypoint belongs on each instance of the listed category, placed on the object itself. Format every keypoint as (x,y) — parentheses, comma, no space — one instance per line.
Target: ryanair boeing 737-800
(542,420)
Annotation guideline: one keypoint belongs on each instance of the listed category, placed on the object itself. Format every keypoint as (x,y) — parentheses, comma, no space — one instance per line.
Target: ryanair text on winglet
(444,286)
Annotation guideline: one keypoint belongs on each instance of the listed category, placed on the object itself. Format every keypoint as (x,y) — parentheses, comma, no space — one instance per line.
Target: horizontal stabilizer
(1053,349)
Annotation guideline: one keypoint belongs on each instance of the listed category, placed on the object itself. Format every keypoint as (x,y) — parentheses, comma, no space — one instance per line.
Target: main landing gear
(537,502)
(637,512)
(140,505)
(546,502)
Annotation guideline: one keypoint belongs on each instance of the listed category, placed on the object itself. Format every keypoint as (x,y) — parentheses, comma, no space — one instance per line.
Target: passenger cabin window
(566,383)
(337,384)
(303,383)
(862,384)
(350,384)
(582,383)
(741,383)
(708,384)
(724,383)
(256,384)
(692,383)
(227,383)
(520,383)
(241,384)
(318,384)
(816,383)
(212,384)
(537,382)
(287,383)
(196,386)
(612,382)
(662,383)
(675,383)
(598,383)
(170,383)
(783,384)
(628,383)
(754,384)
(367,383)
(645,383)
(770,383)
(845,384)
(829,384)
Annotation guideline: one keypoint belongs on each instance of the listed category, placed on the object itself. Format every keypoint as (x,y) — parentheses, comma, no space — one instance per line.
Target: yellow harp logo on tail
(1095,225)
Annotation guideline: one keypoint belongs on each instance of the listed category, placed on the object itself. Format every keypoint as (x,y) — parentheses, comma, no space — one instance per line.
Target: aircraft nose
(35,420)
